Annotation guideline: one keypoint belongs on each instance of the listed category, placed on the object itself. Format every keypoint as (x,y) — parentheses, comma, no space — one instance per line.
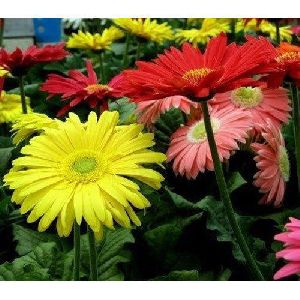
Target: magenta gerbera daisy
(273,164)
(189,148)
(150,110)
(263,104)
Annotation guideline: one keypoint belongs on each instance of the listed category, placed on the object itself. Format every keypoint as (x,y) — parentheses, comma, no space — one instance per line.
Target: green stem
(76,273)
(102,77)
(125,57)
(296,123)
(138,51)
(93,255)
(224,194)
(23,97)
(277,32)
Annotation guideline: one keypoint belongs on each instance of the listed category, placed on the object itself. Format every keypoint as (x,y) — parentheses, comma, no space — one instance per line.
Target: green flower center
(85,165)
(284,163)
(197,132)
(246,97)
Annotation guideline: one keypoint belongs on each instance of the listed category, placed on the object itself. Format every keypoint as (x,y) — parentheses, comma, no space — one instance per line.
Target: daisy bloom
(273,164)
(291,253)
(86,40)
(288,60)
(192,74)
(33,123)
(189,147)
(269,28)
(260,103)
(150,110)
(79,88)
(146,29)
(10,107)
(209,28)
(82,172)
(19,61)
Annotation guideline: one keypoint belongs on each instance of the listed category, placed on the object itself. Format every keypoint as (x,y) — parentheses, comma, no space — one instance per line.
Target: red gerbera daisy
(80,88)
(190,73)
(18,62)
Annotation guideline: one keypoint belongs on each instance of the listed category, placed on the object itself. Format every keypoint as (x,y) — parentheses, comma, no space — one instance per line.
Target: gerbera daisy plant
(89,166)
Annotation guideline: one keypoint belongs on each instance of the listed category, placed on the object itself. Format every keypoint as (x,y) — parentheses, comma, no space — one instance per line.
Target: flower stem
(277,32)
(224,194)
(125,57)
(296,123)
(93,255)
(102,76)
(138,51)
(76,252)
(23,97)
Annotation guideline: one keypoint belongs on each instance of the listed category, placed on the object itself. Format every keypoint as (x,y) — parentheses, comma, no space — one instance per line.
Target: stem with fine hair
(93,255)
(224,194)
(23,97)
(125,57)
(138,51)
(277,32)
(76,272)
(296,123)
(102,77)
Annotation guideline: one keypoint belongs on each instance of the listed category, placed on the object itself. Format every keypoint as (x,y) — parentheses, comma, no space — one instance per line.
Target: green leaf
(235,181)
(30,89)
(166,236)
(28,239)
(5,156)
(36,265)
(191,275)
(126,110)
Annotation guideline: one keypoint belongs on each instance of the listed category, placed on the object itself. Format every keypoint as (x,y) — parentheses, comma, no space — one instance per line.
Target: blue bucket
(48,30)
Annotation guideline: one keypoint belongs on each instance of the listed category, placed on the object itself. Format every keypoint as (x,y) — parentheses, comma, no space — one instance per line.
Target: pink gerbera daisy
(273,164)
(291,253)
(150,110)
(263,104)
(189,146)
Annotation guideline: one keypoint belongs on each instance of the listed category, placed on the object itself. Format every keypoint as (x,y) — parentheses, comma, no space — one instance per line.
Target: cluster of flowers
(242,85)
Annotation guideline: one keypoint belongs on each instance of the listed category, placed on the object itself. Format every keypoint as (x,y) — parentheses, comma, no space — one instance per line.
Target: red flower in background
(80,88)
(190,73)
(18,62)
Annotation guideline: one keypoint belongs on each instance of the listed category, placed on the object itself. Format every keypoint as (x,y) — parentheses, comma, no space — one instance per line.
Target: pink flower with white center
(150,110)
(273,164)
(189,148)
(263,104)
(291,253)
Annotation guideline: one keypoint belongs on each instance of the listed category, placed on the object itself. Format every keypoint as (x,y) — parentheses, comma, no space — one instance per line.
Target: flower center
(96,88)
(197,132)
(194,75)
(288,56)
(284,164)
(246,97)
(85,165)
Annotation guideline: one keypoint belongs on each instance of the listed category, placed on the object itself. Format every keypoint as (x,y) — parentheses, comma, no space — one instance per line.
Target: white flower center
(197,132)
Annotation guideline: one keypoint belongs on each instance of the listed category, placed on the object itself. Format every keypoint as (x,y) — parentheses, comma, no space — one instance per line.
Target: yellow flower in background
(97,41)
(28,124)
(194,21)
(146,28)
(82,171)
(11,107)
(3,72)
(249,26)
(269,28)
(210,28)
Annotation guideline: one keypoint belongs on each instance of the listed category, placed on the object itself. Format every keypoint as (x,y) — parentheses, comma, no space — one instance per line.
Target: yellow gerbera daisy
(86,40)
(250,26)
(28,124)
(210,28)
(81,171)
(10,107)
(285,31)
(147,29)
